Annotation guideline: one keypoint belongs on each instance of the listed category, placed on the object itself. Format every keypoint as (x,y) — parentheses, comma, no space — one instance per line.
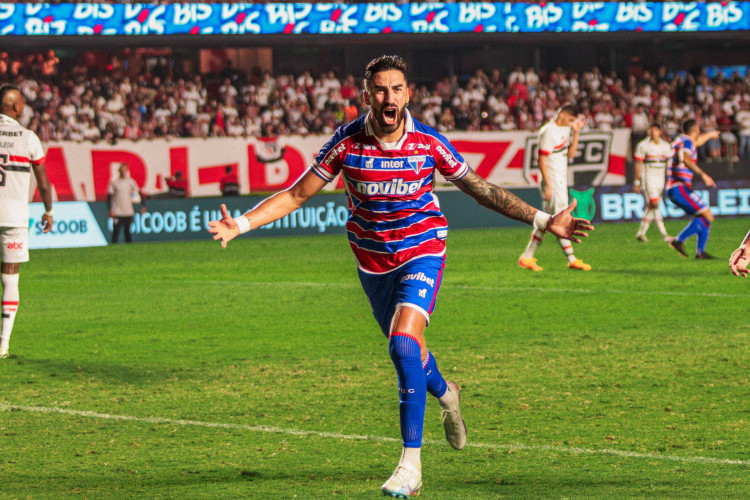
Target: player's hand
(578,124)
(738,269)
(225,229)
(714,134)
(111,214)
(564,225)
(546,193)
(707,180)
(47,223)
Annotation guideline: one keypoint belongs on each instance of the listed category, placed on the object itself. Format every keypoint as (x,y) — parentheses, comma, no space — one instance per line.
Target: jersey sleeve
(327,164)
(36,151)
(640,153)
(448,161)
(546,143)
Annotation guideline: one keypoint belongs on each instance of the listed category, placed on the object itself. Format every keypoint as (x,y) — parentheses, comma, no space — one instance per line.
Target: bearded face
(388,96)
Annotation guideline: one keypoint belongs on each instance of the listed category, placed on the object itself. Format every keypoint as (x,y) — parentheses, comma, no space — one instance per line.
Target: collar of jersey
(8,119)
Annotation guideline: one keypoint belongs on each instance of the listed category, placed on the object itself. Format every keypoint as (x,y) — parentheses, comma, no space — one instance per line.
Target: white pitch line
(359,437)
(483,288)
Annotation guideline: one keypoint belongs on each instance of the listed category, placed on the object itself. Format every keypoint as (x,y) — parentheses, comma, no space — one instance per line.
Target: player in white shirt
(20,153)
(556,147)
(651,157)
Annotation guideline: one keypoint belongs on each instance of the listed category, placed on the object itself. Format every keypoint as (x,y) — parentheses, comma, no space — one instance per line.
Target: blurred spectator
(229,184)
(177,185)
(743,121)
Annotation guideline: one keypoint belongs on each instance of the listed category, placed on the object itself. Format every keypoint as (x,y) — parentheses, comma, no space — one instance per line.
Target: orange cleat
(529,264)
(578,264)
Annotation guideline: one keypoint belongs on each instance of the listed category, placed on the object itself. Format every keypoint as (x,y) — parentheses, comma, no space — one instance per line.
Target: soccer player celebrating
(20,152)
(680,170)
(388,162)
(653,152)
(556,147)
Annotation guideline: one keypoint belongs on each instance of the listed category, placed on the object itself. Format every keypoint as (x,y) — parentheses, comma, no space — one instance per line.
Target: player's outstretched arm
(495,197)
(506,203)
(269,210)
(705,137)
(692,165)
(740,257)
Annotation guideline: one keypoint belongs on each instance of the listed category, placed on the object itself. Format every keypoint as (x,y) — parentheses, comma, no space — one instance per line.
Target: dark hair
(655,125)
(570,108)
(4,91)
(384,63)
(688,125)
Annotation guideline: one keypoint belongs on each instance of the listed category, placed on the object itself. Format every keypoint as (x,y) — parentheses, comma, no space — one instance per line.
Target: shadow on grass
(72,369)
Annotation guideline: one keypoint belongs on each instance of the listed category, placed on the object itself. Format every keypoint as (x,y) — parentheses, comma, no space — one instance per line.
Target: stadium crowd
(78,102)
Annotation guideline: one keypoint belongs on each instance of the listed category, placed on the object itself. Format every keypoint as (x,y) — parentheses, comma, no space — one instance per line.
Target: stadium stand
(76,99)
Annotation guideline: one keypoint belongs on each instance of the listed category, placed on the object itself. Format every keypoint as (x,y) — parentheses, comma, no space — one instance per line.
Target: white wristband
(49,213)
(243,224)
(541,219)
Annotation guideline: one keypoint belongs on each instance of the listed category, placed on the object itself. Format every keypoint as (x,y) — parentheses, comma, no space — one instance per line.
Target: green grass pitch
(259,372)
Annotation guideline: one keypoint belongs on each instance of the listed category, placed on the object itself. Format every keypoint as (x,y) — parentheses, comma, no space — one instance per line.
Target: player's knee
(403,347)
(708,216)
(11,267)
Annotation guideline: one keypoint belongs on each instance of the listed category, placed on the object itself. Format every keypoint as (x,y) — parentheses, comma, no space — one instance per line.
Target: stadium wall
(81,171)
(82,224)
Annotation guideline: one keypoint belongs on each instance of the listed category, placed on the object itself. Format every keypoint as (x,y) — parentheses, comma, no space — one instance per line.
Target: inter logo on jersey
(417,162)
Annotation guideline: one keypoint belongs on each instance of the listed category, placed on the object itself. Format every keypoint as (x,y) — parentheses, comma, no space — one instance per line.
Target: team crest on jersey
(417,162)
(370,162)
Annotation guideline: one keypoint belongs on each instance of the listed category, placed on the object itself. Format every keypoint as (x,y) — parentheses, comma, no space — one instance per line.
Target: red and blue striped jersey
(394,216)
(677,172)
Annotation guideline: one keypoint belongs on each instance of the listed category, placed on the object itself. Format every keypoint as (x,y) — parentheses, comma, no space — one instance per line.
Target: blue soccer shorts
(686,199)
(415,284)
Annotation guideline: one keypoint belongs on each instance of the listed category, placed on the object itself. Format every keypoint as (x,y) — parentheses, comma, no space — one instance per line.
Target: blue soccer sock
(703,235)
(412,386)
(435,382)
(694,227)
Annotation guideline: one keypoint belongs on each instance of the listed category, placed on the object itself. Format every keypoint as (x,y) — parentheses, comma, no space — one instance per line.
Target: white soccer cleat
(453,422)
(3,353)
(668,238)
(404,483)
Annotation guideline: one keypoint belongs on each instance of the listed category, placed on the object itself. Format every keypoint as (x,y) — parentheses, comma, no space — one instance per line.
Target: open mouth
(389,115)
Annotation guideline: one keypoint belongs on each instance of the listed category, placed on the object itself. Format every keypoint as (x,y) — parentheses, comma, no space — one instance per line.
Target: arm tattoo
(496,198)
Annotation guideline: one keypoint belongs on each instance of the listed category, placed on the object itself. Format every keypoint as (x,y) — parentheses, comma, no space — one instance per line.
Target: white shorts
(558,199)
(653,184)
(15,243)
